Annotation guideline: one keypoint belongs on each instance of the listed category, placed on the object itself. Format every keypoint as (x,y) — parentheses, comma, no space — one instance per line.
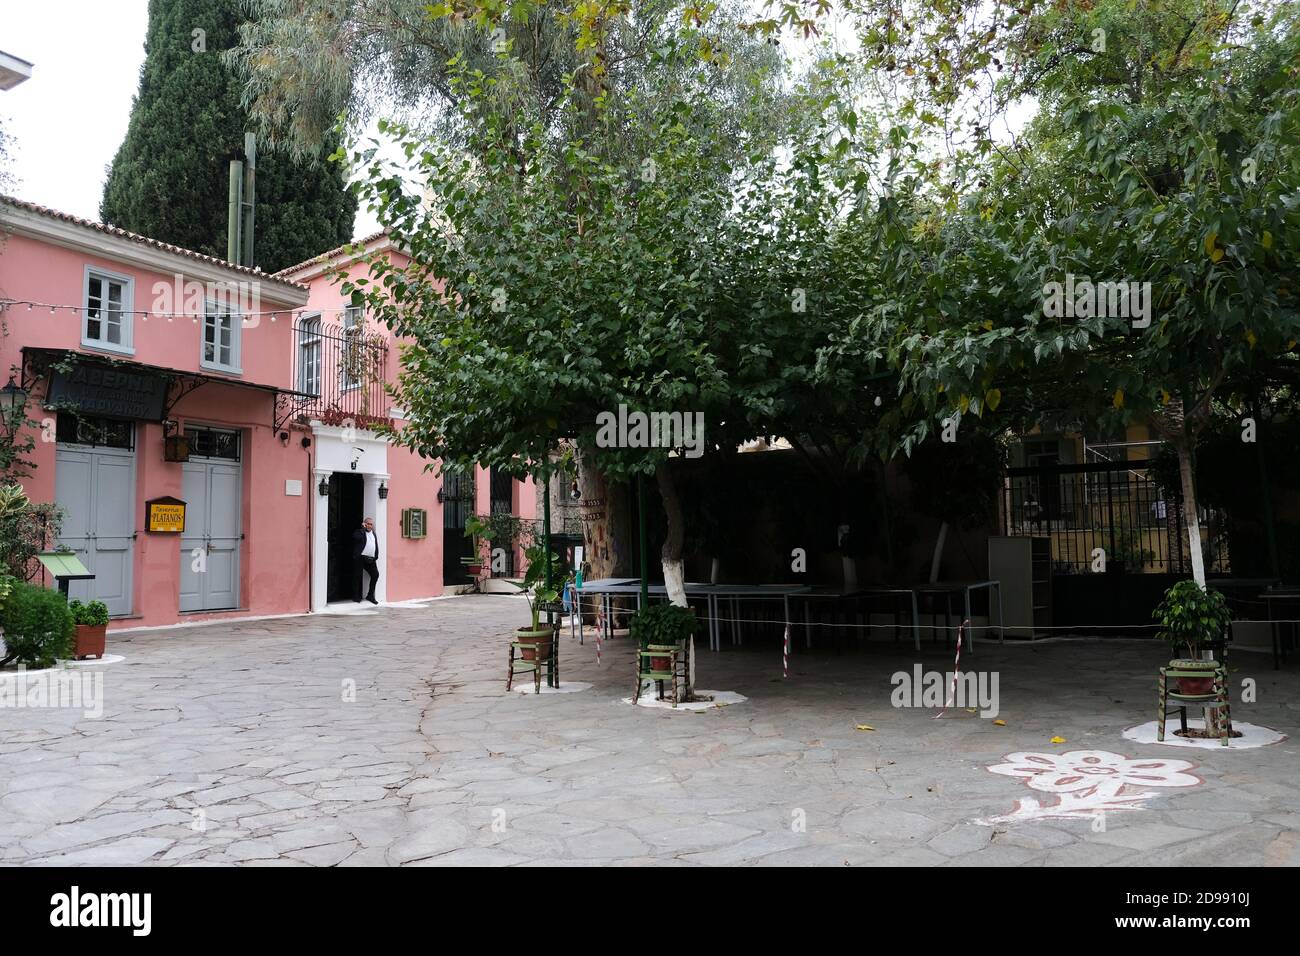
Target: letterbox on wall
(415,521)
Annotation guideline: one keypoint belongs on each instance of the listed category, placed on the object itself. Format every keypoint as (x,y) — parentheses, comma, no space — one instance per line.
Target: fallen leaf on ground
(1057,740)
(865,727)
(999,723)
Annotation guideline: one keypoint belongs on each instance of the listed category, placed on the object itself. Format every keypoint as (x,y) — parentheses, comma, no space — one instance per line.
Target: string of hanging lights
(54,308)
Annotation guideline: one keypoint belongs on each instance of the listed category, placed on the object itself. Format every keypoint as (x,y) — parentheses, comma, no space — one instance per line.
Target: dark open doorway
(346,507)
(457,498)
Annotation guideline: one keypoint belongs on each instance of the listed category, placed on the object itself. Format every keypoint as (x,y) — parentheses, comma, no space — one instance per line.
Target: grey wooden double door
(95,487)
(210,544)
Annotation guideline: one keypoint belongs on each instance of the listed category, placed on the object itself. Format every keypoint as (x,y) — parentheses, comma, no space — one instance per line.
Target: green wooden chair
(1216,700)
(551,663)
(678,670)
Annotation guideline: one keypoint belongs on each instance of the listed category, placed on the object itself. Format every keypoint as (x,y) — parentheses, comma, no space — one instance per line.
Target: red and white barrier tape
(956,669)
(785,654)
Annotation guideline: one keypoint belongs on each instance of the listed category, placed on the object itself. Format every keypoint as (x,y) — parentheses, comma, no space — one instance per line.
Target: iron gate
(1116,506)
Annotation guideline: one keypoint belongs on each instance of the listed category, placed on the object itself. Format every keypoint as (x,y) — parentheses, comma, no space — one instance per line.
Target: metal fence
(344,367)
(1116,506)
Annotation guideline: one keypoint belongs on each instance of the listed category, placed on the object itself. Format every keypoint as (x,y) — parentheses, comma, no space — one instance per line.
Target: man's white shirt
(372,546)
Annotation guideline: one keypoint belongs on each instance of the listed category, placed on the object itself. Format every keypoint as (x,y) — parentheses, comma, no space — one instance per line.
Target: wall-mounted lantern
(324,487)
(383,491)
(176,447)
(12,396)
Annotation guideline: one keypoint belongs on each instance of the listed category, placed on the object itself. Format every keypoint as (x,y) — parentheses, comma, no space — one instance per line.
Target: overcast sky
(68,120)
(70,117)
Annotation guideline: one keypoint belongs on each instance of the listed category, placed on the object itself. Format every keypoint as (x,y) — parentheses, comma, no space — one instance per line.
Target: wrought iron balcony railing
(340,372)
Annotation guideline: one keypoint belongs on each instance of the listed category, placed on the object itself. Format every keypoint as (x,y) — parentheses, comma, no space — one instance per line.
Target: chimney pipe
(234,212)
(249,199)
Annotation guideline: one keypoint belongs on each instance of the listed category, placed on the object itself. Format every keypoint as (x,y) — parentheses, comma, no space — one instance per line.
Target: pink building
(162,376)
(343,359)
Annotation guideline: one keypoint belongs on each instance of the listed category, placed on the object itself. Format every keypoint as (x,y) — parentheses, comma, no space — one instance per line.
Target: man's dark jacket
(359,543)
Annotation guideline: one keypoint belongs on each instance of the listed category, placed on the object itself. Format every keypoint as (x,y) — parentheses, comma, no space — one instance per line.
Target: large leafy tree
(1176,168)
(532,306)
(528,78)
(169,179)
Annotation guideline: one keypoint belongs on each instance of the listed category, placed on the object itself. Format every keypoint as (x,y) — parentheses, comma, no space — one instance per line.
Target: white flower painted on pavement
(1089,782)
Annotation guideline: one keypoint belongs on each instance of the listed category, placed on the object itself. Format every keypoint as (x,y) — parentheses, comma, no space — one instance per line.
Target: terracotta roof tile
(330,254)
(145,240)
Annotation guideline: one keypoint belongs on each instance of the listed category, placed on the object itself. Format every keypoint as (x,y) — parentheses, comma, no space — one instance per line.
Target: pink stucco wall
(414,567)
(276,552)
(34,270)
(273,557)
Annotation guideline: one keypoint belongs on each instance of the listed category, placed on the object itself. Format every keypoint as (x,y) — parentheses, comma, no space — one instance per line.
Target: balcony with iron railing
(340,372)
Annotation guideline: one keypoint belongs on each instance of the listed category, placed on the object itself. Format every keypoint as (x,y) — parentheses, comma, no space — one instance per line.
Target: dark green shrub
(37,626)
(662,624)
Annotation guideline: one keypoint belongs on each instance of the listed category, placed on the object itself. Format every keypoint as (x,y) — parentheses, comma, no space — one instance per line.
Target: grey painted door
(96,489)
(210,544)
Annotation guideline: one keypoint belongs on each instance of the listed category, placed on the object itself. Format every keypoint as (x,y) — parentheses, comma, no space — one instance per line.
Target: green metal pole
(645,553)
(546,516)
(546,544)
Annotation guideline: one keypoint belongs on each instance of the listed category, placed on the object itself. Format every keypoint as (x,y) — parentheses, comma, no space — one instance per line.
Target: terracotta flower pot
(661,663)
(540,641)
(1196,685)
(89,641)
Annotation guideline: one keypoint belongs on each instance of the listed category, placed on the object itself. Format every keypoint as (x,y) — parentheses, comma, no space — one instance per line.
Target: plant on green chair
(1190,616)
(37,626)
(534,582)
(662,625)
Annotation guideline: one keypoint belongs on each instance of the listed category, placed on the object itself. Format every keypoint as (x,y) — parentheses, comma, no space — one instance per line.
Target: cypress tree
(170,177)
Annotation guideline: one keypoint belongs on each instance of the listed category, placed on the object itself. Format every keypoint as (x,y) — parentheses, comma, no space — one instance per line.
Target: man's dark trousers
(368,565)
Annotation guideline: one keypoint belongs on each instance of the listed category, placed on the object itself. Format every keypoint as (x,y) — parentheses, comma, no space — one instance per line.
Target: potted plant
(475,530)
(91,620)
(537,635)
(1190,616)
(662,625)
(37,626)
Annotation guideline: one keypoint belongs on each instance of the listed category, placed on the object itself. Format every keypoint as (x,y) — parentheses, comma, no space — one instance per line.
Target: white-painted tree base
(106,659)
(721,698)
(60,665)
(9,674)
(1252,735)
(525,686)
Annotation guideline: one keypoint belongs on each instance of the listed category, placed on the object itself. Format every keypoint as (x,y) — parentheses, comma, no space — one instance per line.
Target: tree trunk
(938,552)
(675,539)
(1189,509)
(1188,483)
(844,540)
(603,537)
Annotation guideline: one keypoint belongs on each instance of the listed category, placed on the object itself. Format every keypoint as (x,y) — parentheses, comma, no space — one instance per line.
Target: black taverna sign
(112,390)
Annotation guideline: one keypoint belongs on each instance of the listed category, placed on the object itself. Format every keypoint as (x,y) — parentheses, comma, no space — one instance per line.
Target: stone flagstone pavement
(237,743)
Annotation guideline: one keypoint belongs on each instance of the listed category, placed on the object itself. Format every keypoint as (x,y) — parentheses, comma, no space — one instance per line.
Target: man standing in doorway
(365,552)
